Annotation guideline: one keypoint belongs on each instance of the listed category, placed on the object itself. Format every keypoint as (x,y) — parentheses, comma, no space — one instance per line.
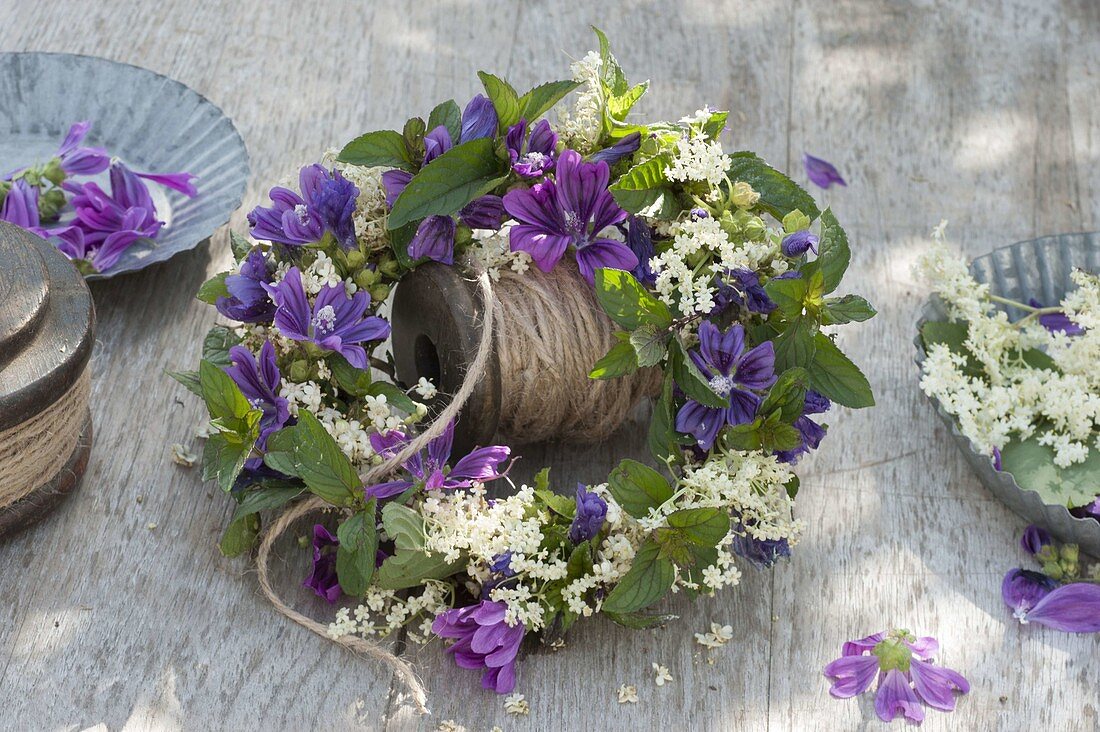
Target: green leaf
(779,195)
(542,98)
(455,178)
(743,436)
(354,381)
(212,289)
(643,176)
(788,395)
(690,379)
(413,135)
(307,451)
(835,376)
(223,460)
(239,245)
(1033,467)
(662,439)
(775,434)
(267,497)
(223,397)
(638,488)
(650,577)
(449,115)
(240,536)
(216,345)
(702,526)
(404,526)
(559,504)
(356,557)
(394,396)
(795,346)
(715,124)
(505,99)
(613,75)
(847,309)
(659,201)
(619,106)
(189,379)
(399,244)
(788,294)
(410,568)
(833,253)
(639,621)
(621,360)
(382,148)
(649,343)
(627,302)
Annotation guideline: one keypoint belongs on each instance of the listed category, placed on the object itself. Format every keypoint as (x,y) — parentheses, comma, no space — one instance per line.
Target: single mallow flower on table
(259,380)
(906,675)
(431,469)
(337,322)
(821,173)
(1036,598)
(483,640)
(572,209)
(733,374)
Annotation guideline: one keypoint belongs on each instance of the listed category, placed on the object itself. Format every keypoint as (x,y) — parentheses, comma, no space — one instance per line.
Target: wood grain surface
(118,610)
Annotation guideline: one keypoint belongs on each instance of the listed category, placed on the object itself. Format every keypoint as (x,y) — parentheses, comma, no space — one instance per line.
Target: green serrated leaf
(267,497)
(650,577)
(649,343)
(239,245)
(240,536)
(743,436)
(787,395)
(795,346)
(381,148)
(835,376)
(619,106)
(455,178)
(643,176)
(627,302)
(559,504)
(833,253)
(212,289)
(449,116)
(189,379)
(847,309)
(776,435)
(505,99)
(639,621)
(789,295)
(612,73)
(688,377)
(715,124)
(779,195)
(223,397)
(307,451)
(1032,465)
(662,438)
(404,526)
(621,360)
(407,569)
(216,345)
(356,557)
(702,526)
(354,381)
(638,488)
(656,201)
(223,460)
(539,100)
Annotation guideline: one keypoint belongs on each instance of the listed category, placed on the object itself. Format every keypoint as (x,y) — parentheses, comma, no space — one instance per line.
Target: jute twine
(549,333)
(33,452)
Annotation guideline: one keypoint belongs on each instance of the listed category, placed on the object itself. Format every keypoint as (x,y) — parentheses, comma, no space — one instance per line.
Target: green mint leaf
(643,176)
(394,396)
(715,124)
(613,76)
(223,459)
(619,106)
(505,99)
(307,451)
(357,554)
(449,116)
(240,536)
(382,148)
(223,397)
(627,302)
(356,382)
(407,569)
(638,487)
(649,343)
(404,526)
(662,438)
(787,395)
(779,195)
(650,577)
(639,621)
(539,100)
(835,376)
(847,309)
(701,526)
(789,295)
(621,360)
(239,245)
(833,255)
(212,289)
(794,347)
(267,497)
(189,379)
(455,178)
(216,345)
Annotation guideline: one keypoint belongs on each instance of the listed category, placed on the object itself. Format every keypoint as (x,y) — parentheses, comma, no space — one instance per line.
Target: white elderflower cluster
(697,158)
(319,274)
(1008,397)
(353,439)
(491,251)
(370,206)
(380,413)
(716,637)
(384,611)
(580,129)
(306,394)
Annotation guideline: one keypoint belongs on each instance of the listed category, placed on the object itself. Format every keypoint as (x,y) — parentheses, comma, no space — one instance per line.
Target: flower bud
(355,259)
(364,278)
(379,292)
(299,371)
(743,196)
(390,268)
(1034,539)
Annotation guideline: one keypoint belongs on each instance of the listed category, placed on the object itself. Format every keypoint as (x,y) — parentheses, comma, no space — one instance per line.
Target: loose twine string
(549,332)
(34,451)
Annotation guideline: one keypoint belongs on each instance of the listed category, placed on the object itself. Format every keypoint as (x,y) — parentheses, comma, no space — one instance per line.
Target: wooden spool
(47,323)
(437,317)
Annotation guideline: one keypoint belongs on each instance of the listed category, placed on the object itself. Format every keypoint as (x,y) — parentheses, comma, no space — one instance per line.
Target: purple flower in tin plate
(532,156)
(431,468)
(572,209)
(21,208)
(907,676)
(337,322)
(483,641)
(734,374)
(322,579)
(1056,322)
(821,173)
(259,380)
(77,159)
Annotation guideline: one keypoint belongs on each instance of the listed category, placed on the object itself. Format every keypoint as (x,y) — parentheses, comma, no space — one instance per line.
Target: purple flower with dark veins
(1057,322)
(1022,589)
(77,159)
(821,172)
(434,239)
(1034,539)
(639,237)
(337,322)
(431,470)
(742,287)
(611,155)
(322,579)
(484,212)
(326,204)
(483,640)
(532,157)
(811,432)
(259,380)
(590,515)
(1036,598)
(906,673)
(479,119)
(798,243)
(761,553)
(248,301)
(733,374)
(572,209)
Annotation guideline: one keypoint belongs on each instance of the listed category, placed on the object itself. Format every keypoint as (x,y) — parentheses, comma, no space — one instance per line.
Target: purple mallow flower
(1057,322)
(906,675)
(821,172)
(611,155)
(322,579)
(394,181)
(1036,598)
(248,301)
(742,287)
(591,512)
(798,243)
(639,237)
(572,209)
(326,204)
(436,142)
(21,208)
(431,469)
(479,119)
(434,240)
(77,159)
(259,379)
(532,157)
(733,374)
(484,212)
(484,640)
(337,322)
(761,553)
(1034,539)
(811,432)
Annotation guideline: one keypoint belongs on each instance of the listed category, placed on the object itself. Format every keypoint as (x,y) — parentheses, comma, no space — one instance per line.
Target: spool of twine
(34,451)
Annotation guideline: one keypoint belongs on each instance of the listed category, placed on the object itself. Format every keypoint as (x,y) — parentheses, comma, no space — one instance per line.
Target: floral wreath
(702,258)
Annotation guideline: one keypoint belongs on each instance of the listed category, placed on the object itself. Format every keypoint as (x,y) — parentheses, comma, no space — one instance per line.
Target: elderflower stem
(1031,309)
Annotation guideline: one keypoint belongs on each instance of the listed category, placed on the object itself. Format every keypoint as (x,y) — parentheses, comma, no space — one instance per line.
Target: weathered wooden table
(118,610)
